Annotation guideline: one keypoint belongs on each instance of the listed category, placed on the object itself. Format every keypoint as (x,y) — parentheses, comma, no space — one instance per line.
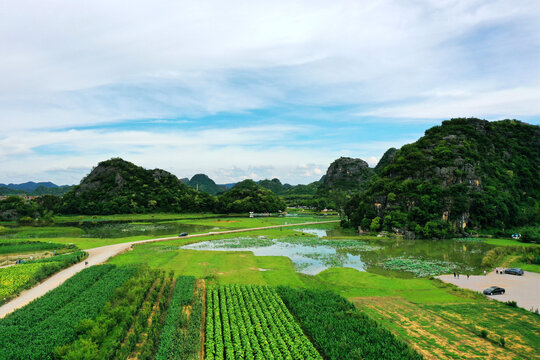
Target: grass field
(508,242)
(454,330)
(225,267)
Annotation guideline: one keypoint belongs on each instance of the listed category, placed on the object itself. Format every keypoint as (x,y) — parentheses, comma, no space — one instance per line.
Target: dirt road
(524,290)
(100,255)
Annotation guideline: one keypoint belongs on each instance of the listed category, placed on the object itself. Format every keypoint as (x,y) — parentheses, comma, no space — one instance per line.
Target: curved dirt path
(524,290)
(101,254)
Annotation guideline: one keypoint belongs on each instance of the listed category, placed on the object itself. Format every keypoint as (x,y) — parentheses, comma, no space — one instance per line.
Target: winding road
(101,254)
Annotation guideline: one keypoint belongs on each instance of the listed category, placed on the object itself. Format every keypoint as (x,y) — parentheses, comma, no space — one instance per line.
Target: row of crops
(181,335)
(110,312)
(34,331)
(16,278)
(339,331)
(251,322)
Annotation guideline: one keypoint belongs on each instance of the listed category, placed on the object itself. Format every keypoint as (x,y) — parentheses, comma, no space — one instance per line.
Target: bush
(530,235)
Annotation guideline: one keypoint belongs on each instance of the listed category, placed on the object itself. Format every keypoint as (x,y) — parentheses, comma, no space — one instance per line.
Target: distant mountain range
(34,189)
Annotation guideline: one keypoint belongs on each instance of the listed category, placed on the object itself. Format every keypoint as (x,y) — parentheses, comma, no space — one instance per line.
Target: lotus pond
(314,250)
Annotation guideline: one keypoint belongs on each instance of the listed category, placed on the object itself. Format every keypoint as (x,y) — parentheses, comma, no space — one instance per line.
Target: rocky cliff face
(464,174)
(347,173)
(386,159)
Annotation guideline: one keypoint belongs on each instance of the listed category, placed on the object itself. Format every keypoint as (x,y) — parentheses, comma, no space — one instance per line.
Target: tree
(375,224)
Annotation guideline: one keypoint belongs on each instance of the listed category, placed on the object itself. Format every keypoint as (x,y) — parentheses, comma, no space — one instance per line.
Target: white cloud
(73,64)
(507,103)
(226,155)
(69,63)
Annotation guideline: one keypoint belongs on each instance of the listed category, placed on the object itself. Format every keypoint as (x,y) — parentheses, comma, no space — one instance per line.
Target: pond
(396,257)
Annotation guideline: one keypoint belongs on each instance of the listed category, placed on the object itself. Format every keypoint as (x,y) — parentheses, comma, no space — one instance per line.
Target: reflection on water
(317,232)
(397,257)
(307,259)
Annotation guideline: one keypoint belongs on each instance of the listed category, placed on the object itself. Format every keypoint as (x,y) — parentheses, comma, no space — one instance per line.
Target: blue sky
(242,89)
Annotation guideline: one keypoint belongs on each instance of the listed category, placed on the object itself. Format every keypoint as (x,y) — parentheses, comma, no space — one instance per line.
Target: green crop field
(162,301)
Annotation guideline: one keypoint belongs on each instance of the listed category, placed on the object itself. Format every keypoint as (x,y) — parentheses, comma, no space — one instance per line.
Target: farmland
(181,299)
(252,322)
(14,279)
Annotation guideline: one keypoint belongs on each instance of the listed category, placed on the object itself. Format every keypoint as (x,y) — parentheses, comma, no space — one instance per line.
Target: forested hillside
(465,174)
(202,182)
(116,186)
(248,196)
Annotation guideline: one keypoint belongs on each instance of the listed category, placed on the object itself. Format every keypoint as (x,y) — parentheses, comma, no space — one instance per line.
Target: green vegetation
(29,246)
(465,174)
(203,183)
(175,342)
(34,331)
(421,267)
(252,322)
(504,255)
(14,279)
(15,208)
(100,337)
(38,232)
(117,186)
(340,331)
(453,331)
(247,196)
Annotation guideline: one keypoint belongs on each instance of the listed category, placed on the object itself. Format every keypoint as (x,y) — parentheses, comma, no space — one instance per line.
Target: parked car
(514,271)
(183,234)
(494,290)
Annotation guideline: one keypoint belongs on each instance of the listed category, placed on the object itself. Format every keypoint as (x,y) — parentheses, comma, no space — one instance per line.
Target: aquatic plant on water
(422,267)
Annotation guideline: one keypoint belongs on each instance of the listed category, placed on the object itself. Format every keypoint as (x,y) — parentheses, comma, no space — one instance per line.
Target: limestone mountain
(465,174)
(203,183)
(386,159)
(347,173)
(248,196)
(118,186)
(275,186)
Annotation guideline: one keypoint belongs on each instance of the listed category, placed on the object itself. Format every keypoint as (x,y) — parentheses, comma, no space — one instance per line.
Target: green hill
(117,186)
(465,174)
(203,183)
(275,186)
(386,159)
(248,196)
(346,174)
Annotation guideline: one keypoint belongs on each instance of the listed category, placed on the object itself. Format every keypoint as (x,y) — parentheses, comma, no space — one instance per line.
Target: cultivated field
(161,301)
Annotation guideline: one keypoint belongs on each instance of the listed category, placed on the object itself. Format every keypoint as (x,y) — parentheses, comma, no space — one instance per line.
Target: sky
(251,89)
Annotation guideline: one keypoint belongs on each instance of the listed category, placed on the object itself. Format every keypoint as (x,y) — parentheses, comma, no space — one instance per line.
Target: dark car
(183,234)
(514,271)
(494,290)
